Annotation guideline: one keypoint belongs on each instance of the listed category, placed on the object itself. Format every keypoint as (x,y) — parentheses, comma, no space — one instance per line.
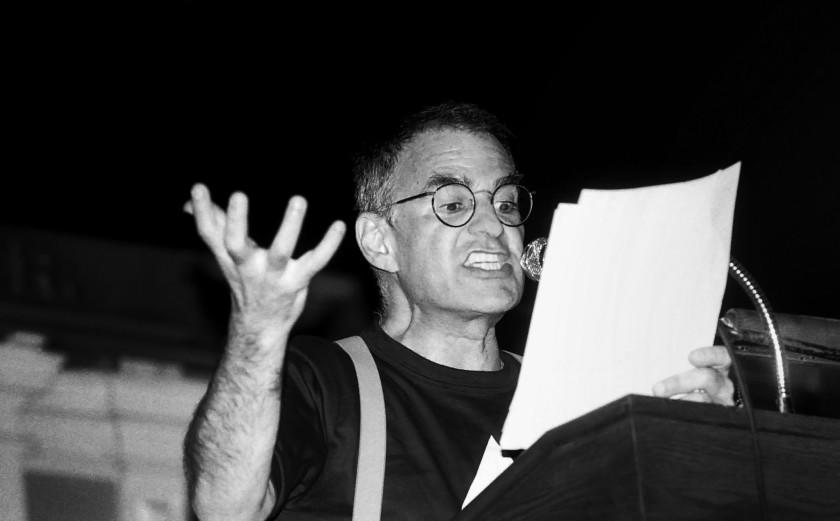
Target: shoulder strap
(370,467)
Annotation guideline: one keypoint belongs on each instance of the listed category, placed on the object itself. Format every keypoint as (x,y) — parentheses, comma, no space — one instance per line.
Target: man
(440,221)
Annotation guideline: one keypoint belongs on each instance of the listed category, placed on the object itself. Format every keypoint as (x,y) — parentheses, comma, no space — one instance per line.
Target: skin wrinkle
(247,361)
(439,179)
(446,303)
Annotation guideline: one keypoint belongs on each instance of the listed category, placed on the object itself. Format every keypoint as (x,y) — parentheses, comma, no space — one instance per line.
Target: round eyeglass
(454,203)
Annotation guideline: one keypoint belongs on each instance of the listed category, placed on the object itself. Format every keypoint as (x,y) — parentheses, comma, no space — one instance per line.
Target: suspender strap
(370,467)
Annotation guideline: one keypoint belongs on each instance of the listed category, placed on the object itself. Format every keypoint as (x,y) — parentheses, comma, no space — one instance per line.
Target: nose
(485,220)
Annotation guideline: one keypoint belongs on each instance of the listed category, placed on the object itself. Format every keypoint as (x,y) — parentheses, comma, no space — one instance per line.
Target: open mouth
(485,261)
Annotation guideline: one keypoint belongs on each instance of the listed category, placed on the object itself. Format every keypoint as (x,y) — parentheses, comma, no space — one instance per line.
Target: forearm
(228,449)
(229,444)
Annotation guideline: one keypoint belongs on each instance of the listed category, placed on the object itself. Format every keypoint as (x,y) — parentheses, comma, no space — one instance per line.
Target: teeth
(490,266)
(478,257)
(485,261)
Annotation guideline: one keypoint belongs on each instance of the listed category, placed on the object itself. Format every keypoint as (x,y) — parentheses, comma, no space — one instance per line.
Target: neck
(453,341)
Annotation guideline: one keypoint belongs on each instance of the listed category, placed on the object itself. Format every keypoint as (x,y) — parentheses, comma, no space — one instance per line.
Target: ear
(374,237)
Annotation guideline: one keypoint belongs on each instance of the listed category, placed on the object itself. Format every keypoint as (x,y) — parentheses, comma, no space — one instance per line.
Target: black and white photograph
(425,263)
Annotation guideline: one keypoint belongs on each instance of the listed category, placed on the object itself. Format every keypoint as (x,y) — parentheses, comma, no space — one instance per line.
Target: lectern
(646,459)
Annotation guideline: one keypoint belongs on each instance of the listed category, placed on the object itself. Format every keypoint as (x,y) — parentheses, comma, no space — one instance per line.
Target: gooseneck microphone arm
(752,289)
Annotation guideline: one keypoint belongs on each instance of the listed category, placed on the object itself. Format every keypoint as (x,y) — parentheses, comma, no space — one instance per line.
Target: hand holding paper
(708,382)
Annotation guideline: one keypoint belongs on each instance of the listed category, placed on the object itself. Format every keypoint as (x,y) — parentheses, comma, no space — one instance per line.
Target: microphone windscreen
(532,258)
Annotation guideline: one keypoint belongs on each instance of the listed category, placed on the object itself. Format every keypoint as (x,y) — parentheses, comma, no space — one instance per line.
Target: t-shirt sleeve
(300,449)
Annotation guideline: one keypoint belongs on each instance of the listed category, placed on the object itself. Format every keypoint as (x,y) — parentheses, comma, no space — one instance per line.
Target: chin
(495,302)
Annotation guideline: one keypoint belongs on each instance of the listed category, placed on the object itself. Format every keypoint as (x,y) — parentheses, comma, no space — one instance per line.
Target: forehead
(477,158)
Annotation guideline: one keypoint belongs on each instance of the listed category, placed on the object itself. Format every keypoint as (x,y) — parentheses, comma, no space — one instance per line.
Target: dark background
(114,114)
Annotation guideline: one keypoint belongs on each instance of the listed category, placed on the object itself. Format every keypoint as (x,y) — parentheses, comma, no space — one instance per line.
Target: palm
(267,285)
(278,293)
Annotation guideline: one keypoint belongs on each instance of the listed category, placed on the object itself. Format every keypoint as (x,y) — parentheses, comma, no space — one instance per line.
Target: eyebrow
(439,179)
(513,178)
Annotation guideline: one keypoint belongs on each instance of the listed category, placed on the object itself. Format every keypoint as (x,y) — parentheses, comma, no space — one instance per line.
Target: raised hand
(708,382)
(231,438)
(268,286)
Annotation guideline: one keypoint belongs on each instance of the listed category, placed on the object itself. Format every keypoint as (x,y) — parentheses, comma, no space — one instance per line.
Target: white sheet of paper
(492,464)
(632,280)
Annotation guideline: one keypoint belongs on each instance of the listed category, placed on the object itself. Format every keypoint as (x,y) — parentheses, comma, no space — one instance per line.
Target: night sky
(114,115)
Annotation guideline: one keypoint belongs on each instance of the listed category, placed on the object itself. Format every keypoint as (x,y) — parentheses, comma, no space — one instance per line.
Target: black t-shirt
(439,421)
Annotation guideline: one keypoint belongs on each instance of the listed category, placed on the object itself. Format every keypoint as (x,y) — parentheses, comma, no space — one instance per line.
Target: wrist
(255,346)
(265,333)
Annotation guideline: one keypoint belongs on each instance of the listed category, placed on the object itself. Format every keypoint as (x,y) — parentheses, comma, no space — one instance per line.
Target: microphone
(532,258)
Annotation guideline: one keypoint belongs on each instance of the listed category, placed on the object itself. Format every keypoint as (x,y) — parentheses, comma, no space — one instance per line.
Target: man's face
(471,270)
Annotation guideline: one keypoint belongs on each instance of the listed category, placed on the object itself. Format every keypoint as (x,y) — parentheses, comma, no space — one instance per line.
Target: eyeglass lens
(454,204)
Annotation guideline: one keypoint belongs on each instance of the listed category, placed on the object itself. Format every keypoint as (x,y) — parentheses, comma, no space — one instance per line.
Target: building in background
(105,351)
